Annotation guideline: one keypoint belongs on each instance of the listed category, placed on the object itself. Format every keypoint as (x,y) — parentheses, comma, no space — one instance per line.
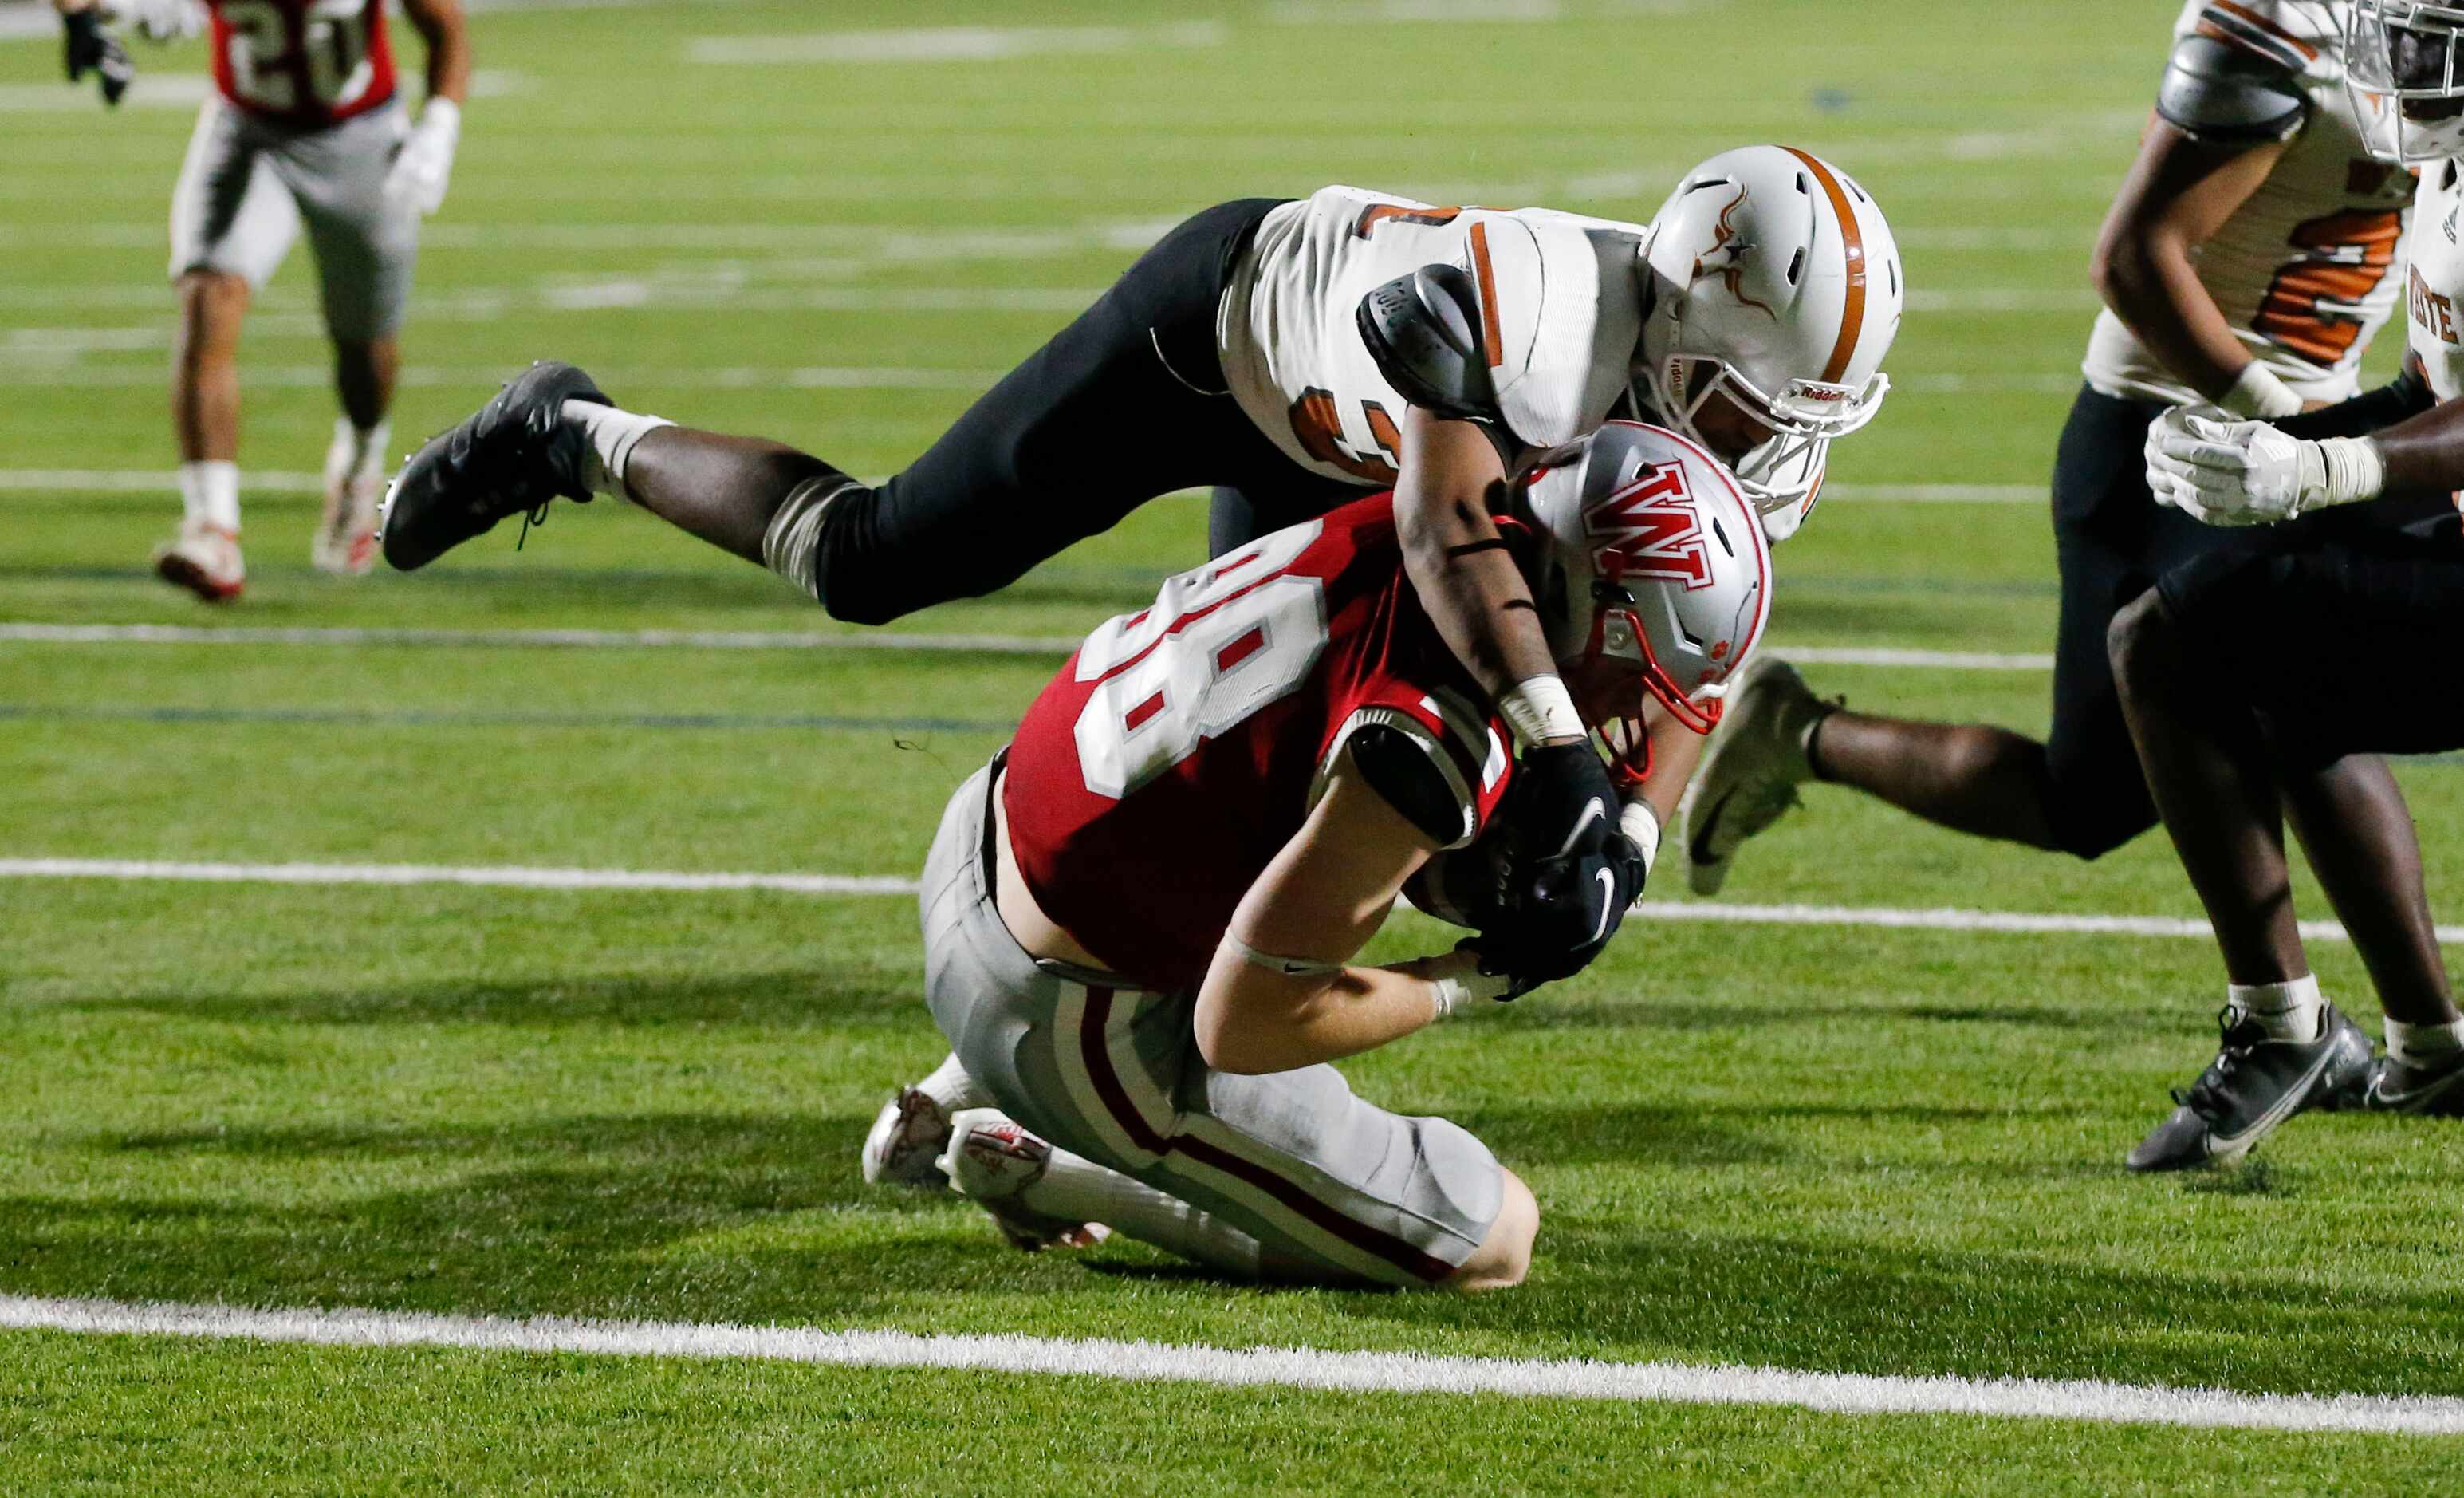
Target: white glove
(423,162)
(2247,473)
(159,20)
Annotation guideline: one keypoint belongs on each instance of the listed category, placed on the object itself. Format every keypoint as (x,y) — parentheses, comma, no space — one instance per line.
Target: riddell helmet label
(1650,529)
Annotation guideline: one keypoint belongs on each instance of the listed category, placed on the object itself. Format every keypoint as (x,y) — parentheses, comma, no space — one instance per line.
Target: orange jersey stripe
(1488,294)
(2253,18)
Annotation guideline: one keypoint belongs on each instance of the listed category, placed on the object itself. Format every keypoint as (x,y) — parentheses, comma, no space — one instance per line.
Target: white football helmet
(2404,78)
(1775,282)
(1655,560)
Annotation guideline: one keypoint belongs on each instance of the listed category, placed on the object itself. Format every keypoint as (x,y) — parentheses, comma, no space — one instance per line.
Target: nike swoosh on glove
(1560,914)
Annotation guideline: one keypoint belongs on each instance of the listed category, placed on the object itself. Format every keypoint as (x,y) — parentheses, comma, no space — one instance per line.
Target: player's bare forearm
(441,25)
(2425,454)
(1458,564)
(2178,193)
(1281,992)
(1675,750)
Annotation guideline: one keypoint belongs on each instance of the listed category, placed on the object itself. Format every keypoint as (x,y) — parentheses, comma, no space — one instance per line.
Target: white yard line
(952,43)
(513,876)
(811,640)
(1262,1367)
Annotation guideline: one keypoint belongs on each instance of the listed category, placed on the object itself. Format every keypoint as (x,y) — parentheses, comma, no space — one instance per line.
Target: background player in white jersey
(1141,919)
(2247,259)
(1298,353)
(2254,673)
(305,130)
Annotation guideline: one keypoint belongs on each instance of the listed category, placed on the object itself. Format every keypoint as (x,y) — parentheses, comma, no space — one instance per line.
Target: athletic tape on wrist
(1539,709)
(2260,394)
(1456,980)
(789,547)
(2356,469)
(1638,821)
(1290,967)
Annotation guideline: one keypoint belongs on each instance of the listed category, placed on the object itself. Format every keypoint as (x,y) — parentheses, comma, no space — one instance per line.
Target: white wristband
(1539,709)
(1453,980)
(441,116)
(2356,469)
(1638,821)
(2258,394)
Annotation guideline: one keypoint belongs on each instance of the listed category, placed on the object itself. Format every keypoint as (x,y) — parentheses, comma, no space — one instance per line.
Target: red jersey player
(1140,919)
(306,128)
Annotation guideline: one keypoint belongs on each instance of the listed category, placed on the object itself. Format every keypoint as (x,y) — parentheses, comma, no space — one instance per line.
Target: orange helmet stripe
(1852,243)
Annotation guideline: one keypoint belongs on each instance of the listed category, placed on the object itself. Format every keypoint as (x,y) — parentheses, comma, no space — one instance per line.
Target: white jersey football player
(305,130)
(1294,354)
(2264,680)
(2248,259)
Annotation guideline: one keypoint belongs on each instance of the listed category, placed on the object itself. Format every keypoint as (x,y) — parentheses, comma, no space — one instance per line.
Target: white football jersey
(2434,282)
(1561,302)
(2305,270)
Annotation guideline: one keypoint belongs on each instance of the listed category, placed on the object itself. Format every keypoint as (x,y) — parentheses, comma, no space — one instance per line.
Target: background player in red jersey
(306,128)
(1140,921)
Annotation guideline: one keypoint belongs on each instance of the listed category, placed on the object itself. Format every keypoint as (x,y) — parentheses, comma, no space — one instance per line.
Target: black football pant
(1127,403)
(2114,542)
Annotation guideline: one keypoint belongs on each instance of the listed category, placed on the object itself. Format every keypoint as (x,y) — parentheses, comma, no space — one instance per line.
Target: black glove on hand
(1561,913)
(92,49)
(1561,802)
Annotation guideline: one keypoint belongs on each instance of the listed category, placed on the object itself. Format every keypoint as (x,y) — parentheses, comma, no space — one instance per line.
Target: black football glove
(90,49)
(1561,802)
(1561,913)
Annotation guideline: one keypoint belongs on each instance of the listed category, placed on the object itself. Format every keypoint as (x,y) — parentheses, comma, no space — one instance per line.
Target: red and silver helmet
(1655,560)
(2403,73)
(1775,282)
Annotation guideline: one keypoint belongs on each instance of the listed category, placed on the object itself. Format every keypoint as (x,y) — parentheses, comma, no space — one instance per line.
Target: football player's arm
(2222,122)
(441,25)
(1460,567)
(1282,993)
(2396,442)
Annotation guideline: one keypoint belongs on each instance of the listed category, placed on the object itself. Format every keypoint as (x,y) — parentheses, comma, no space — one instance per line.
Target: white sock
(613,434)
(951,1090)
(357,453)
(2424,1044)
(1082,1191)
(210,493)
(2292,1010)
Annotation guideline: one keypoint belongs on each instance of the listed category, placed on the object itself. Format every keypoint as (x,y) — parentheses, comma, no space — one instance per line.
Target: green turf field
(1822,1147)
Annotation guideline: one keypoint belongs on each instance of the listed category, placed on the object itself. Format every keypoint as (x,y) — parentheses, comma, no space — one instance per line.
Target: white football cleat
(345,544)
(905,1146)
(1750,771)
(204,560)
(990,1160)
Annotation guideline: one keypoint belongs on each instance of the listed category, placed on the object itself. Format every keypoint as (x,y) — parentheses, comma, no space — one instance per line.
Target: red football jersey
(305,63)
(1183,746)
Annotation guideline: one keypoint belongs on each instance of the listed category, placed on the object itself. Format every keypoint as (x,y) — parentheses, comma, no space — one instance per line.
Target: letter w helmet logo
(1649,529)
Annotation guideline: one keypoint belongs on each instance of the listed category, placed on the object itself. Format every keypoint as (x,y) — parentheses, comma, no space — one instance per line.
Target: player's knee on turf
(1504,1256)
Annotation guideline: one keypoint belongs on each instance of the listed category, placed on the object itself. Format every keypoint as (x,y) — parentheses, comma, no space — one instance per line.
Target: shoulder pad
(1408,778)
(2216,91)
(1423,333)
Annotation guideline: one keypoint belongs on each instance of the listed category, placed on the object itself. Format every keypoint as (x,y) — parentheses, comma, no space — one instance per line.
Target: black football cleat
(513,458)
(2394,1086)
(2256,1082)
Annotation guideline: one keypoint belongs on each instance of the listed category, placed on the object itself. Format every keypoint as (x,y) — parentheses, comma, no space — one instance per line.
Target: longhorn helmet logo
(1650,529)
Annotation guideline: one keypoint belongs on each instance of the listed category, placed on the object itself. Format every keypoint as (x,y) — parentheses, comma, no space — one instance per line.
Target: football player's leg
(1126,403)
(2326,695)
(366,247)
(231,224)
